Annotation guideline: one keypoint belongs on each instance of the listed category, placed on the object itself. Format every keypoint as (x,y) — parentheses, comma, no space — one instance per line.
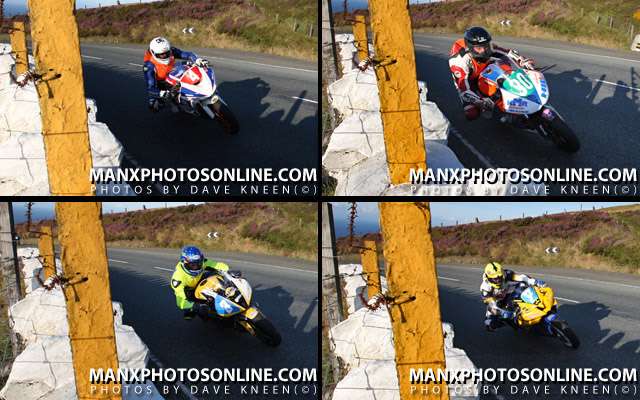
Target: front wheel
(225,117)
(266,332)
(562,134)
(565,334)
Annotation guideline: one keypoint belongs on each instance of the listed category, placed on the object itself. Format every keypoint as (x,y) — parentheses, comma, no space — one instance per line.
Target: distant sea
(338,5)
(14,9)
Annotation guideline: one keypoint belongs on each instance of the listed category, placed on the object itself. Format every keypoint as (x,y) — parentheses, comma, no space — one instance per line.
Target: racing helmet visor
(163,56)
(195,265)
(497,280)
(482,51)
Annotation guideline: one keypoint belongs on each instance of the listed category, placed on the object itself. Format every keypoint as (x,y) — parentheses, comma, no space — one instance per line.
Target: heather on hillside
(288,229)
(604,239)
(604,23)
(254,25)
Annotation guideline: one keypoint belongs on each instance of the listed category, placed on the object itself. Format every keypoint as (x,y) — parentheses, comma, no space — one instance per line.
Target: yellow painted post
(398,87)
(88,296)
(360,37)
(411,276)
(63,109)
(369,257)
(47,252)
(19,46)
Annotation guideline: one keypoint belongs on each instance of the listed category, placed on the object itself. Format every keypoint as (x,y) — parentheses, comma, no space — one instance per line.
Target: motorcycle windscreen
(202,87)
(529,295)
(520,94)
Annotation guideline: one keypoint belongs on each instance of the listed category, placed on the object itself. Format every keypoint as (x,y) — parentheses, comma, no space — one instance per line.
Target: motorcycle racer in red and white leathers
(468,57)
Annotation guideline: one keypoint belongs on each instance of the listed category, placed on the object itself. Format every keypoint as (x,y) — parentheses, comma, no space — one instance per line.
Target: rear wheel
(266,332)
(562,135)
(565,334)
(225,117)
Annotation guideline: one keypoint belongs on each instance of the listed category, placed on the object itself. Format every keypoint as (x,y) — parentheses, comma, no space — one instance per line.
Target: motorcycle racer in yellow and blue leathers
(498,284)
(190,270)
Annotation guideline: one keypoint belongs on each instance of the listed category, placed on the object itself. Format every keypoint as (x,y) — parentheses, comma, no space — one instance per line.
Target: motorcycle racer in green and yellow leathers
(190,270)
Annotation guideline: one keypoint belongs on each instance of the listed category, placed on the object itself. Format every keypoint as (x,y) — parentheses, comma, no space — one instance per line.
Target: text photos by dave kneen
(220,300)
(480,300)
(420,104)
(195,98)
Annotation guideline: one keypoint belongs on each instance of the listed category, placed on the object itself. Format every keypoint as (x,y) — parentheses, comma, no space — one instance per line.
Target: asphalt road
(596,90)
(285,289)
(601,307)
(274,98)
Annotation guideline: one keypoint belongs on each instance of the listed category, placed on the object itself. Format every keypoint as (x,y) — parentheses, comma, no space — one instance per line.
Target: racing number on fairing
(519,84)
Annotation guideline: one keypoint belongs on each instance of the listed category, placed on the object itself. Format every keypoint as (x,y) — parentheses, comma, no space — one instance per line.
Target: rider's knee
(471,112)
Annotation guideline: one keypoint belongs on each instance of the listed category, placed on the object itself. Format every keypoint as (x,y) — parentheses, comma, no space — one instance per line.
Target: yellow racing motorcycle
(536,308)
(230,296)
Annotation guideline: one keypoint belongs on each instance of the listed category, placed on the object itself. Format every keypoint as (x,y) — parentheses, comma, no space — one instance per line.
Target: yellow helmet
(494,274)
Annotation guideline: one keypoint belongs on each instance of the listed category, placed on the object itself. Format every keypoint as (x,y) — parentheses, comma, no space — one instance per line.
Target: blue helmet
(192,260)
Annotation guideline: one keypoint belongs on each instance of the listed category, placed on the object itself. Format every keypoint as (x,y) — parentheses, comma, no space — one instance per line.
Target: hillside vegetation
(606,239)
(566,20)
(287,229)
(255,25)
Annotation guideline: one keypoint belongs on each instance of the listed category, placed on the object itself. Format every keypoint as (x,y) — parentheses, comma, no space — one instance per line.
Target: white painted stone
(23,169)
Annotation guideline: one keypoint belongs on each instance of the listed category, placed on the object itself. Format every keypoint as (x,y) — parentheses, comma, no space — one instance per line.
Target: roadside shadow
(602,115)
(602,346)
(275,131)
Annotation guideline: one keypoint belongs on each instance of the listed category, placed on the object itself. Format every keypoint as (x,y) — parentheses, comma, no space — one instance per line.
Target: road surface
(286,289)
(274,99)
(596,90)
(601,307)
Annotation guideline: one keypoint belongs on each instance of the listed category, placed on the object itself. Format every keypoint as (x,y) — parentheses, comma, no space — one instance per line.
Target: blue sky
(13,7)
(445,214)
(45,210)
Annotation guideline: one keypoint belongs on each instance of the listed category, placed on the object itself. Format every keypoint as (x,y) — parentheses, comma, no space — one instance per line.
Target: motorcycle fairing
(522,91)
(225,307)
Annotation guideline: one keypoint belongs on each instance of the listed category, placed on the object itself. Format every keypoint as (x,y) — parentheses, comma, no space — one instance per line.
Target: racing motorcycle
(520,96)
(194,91)
(229,296)
(536,308)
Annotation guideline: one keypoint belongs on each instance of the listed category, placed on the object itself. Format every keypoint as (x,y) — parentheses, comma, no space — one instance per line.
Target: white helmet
(160,49)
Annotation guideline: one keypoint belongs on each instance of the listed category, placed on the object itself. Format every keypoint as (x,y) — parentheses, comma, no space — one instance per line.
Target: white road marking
(569,300)
(476,152)
(557,276)
(423,45)
(136,65)
(268,265)
(617,84)
(448,279)
(303,99)
(118,261)
(264,65)
(164,269)
(94,58)
(576,52)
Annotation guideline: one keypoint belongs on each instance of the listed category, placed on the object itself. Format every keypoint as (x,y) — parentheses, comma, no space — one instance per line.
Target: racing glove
(201,62)
(536,282)
(507,314)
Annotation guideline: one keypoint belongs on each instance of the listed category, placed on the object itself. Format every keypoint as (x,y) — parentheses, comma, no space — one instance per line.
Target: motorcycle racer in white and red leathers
(468,57)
